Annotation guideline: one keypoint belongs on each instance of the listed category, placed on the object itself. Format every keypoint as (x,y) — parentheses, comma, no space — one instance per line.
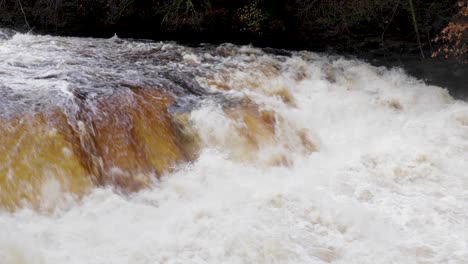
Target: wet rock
(131,138)
(125,140)
(37,164)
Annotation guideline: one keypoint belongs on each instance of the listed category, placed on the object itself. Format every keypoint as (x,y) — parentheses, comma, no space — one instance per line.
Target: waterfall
(130,151)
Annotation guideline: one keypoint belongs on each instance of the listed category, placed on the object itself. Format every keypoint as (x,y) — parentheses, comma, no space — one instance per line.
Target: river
(132,151)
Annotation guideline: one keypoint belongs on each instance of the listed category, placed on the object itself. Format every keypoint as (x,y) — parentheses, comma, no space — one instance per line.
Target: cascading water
(119,151)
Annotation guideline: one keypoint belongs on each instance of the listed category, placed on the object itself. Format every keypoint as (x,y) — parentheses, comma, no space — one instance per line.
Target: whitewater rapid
(387,181)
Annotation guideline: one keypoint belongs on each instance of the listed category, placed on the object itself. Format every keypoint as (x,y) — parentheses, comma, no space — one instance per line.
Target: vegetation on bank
(454,36)
(351,24)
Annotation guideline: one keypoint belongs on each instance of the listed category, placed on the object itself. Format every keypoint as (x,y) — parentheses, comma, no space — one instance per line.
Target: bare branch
(24,14)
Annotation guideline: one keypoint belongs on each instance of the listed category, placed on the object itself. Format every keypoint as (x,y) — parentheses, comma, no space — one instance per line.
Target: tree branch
(415,24)
(24,14)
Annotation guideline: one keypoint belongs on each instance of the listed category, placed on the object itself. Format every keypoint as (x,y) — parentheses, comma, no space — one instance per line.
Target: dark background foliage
(297,24)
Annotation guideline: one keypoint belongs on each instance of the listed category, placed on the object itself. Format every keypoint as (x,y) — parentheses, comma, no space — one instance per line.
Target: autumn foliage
(454,36)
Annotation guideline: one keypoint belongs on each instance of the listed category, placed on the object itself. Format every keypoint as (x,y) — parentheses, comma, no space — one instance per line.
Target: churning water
(118,151)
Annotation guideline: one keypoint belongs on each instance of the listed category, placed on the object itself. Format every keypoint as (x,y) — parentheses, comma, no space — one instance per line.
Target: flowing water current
(125,151)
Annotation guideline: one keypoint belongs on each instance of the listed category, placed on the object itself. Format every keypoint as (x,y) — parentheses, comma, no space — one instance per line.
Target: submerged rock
(125,140)
(37,163)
